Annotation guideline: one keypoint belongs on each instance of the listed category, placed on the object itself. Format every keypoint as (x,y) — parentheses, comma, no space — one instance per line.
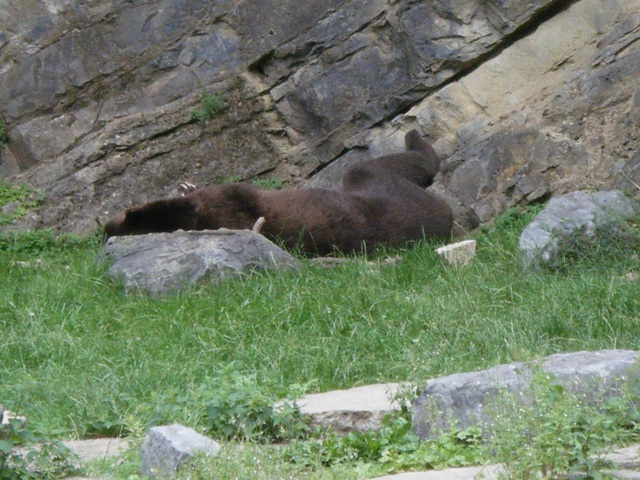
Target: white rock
(458,254)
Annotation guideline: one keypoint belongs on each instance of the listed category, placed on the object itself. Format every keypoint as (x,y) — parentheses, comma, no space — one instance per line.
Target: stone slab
(97,448)
(355,409)
(369,397)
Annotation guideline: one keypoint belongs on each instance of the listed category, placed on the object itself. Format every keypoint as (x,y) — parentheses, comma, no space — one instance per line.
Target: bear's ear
(133,213)
(415,143)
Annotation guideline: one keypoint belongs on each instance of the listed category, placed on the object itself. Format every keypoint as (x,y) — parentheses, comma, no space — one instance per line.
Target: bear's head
(159,216)
(233,206)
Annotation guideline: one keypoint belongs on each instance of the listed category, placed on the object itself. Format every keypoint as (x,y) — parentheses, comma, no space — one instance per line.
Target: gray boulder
(465,399)
(573,219)
(161,263)
(165,449)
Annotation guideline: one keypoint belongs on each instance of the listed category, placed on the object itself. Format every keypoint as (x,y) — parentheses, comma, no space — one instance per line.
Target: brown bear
(380,202)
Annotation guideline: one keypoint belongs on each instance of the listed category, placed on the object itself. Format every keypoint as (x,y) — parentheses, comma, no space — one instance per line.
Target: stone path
(359,408)
(96,449)
(362,407)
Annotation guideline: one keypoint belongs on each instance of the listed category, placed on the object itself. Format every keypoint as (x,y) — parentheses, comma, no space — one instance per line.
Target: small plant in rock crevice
(210,106)
(4,136)
(15,201)
(265,183)
(269,183)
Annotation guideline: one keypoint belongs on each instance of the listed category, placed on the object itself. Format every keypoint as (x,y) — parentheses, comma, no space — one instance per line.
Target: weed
(391,449)
(250,460)
(324,454)
(16,200)
(558,433)
(266,183)
(239,409)
(269,183)
(233,179)
(235,406)
(4,136)
(210,106)
(21,458)
(515,219)
(503,233)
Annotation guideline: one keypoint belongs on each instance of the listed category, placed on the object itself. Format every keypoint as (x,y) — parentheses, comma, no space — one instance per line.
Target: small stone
(458,254)
(166,448)
(9,417)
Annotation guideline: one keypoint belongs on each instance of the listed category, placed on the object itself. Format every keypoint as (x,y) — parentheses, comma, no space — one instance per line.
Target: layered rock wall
(524,99)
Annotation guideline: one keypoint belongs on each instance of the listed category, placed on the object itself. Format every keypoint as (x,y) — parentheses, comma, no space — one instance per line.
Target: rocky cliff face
(523,98)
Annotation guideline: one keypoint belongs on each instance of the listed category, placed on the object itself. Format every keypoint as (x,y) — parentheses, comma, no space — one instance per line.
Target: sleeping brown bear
(380,202)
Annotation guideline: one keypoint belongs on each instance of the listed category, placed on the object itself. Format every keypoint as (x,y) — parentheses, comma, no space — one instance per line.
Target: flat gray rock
(97,448)
(355,409)
(161,263)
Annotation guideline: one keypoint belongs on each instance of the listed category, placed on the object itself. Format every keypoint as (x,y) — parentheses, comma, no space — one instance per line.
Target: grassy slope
(78,356)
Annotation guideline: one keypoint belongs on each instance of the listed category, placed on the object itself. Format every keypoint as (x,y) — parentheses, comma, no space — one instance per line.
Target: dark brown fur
(381,202)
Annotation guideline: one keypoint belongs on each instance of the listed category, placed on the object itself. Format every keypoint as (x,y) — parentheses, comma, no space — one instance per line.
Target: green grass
(79,358)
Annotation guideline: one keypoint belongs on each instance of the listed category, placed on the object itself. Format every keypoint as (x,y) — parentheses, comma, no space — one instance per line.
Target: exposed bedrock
(523,99)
